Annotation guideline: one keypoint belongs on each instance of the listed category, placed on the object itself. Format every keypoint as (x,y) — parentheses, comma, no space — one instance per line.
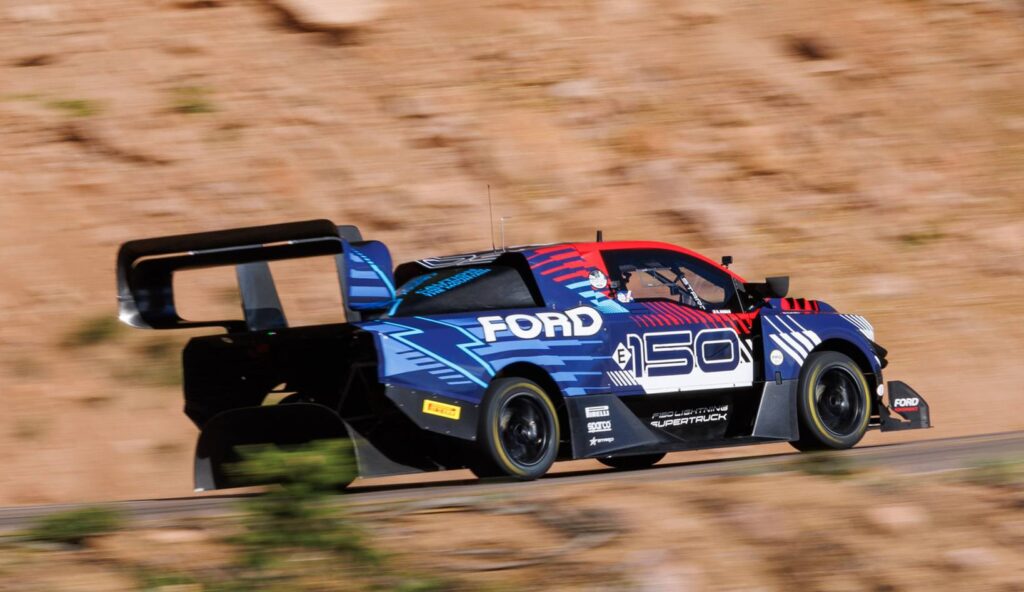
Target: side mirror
(727,261)
(778,286)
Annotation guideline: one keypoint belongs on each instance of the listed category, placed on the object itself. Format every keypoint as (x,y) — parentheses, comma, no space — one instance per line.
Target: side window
(463,289)
(653,274)
(644,283)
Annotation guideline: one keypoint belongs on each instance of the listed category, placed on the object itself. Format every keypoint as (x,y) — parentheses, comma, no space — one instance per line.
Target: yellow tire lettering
(496,435)
(814,410)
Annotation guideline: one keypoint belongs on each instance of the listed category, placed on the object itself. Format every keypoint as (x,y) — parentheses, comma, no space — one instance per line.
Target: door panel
(684,330)
(664,347)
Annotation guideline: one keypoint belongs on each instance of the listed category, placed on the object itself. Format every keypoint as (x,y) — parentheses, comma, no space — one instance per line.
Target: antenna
(490,219)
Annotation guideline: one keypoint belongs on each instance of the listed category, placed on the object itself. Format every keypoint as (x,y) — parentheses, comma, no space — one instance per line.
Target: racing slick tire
(518,433)
(833,404)
(630,463)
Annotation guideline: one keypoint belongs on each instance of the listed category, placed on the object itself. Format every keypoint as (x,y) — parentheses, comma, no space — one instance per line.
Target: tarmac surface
(917,457)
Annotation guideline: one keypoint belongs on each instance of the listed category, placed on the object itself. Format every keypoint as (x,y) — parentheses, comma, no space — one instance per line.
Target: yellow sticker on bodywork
(442,409)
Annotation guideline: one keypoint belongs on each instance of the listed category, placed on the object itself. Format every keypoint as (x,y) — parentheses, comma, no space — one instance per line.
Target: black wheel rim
(839,401)
(524,429)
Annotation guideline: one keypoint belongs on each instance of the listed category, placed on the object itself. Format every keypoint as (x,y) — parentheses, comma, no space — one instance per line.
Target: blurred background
(872,149)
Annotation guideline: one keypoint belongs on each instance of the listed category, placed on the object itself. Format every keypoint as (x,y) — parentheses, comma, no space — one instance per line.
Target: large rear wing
(145,270)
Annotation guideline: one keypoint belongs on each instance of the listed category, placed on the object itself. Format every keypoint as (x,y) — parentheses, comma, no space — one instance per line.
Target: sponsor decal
(431,290)
(777,358)
(598,411)
(596,441)
(906,404)
(441,409)
(597,427)
(693,293)
(417,282)
(582,321)
(598,280)
(697,415)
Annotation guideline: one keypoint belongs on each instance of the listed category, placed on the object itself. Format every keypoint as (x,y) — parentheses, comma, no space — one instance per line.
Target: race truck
(504,361)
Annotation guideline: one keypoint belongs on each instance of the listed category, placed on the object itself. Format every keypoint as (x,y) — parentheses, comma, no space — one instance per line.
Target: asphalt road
(924,456)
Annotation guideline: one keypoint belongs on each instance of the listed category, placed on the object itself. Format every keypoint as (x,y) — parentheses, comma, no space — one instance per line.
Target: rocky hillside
(874,149)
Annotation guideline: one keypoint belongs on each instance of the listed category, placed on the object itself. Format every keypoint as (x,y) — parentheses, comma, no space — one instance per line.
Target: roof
(593,248)
(584,248)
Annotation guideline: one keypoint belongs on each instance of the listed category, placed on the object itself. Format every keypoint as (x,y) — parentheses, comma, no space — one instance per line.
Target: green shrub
(921,237)
(26,367)
(76,107)
(74,526)
(422,585)
(193,100)
(827,464)
(93,331)
(164,582)
(297,514)
(161,365)
(30,428)
(1006,472)
(297,536)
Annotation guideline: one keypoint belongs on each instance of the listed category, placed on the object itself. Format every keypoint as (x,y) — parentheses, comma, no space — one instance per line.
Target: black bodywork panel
(905,403)
(329,368)
(604,425)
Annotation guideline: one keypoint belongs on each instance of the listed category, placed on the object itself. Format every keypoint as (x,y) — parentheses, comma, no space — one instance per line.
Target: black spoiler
(145,269)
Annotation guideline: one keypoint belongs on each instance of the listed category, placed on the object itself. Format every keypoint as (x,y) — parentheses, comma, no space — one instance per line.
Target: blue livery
(506,361)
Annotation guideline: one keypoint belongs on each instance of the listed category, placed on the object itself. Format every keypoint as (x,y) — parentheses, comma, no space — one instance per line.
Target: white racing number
(671,361)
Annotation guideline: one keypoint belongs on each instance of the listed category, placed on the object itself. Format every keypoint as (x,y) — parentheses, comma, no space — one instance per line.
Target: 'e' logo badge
(622,356)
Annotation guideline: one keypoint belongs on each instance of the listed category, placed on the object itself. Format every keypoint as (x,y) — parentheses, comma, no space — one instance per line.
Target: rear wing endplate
(145,270)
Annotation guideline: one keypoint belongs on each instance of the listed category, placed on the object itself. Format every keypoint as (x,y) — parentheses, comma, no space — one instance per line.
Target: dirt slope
(873,149)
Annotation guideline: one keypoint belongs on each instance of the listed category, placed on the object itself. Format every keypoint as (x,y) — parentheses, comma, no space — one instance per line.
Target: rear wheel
(518,431)
(833,404)
(629,463)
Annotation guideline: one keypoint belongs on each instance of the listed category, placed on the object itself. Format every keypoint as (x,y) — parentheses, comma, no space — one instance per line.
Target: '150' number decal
(672,353)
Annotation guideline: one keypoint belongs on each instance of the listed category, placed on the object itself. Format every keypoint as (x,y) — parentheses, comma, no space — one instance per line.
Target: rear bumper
(906,409)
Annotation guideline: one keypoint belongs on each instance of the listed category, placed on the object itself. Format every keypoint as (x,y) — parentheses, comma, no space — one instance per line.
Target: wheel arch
(855,353)
(543,379)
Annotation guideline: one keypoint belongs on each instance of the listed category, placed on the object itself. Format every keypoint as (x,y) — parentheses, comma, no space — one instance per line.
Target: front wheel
(518,432)
(630,463)
(833,404)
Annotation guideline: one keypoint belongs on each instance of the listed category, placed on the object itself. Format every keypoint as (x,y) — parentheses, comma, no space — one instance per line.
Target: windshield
(463,289)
